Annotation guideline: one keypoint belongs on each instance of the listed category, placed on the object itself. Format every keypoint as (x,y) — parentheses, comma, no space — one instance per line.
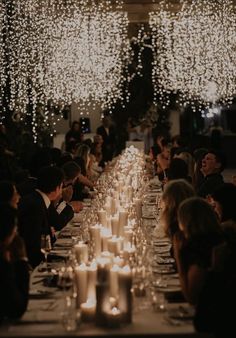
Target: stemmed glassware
(46,247)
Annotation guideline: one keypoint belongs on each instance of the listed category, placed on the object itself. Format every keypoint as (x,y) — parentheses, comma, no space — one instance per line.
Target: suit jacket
(33,222)
(58,221)
(209,184)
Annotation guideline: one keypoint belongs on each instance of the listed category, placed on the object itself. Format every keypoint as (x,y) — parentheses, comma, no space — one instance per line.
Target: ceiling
(138,9)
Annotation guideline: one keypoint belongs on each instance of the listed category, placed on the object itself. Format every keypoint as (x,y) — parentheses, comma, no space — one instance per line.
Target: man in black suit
(213,163)
(33,211)
(62,211)
(107,131)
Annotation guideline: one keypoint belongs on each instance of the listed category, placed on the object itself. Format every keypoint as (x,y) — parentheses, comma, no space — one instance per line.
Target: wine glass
(46,247)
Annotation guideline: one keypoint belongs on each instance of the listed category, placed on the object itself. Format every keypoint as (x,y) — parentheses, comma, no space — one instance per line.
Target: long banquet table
(45,315)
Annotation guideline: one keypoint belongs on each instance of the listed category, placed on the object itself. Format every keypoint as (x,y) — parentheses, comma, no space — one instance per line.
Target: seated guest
(95,159)
(25,183)
(83,184)
(14,268)
(65,206)
(9,194)
(178,169)
(223,200)
(218,297)
(200,232)
(198,156)
(174,193)
(213,163)
(188,158)
(33,211)
(163,163)
(74,135)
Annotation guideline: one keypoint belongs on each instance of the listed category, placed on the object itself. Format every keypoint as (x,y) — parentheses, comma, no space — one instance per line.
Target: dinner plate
(163,270)
(161,249)
(182,312)
(168,289)
(168,260)
(148,216)
(35,294)
(161,243)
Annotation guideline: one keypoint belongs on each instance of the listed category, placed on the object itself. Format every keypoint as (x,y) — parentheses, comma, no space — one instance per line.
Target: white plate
(182,312)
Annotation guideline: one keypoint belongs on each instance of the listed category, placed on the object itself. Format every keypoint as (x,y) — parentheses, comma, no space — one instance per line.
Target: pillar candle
(118,261)
(125,296)
(81,275)
(138,207)
(113,206)
(88,311)
(130,193)
(105,235)
(96,238)
(128,252)
(123,221)
(113,274)
(102,217)
(128,237)
(81,252)
(115,225)
(103,267)
(113,317)
(108,226)
(107,208)
(92,280)
(114,245)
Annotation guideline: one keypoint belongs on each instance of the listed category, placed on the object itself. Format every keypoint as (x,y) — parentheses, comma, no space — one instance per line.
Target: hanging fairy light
(195,51)
(2,59)
(65,51)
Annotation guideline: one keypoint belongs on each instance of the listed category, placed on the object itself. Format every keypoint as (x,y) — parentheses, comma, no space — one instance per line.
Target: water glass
(70,315)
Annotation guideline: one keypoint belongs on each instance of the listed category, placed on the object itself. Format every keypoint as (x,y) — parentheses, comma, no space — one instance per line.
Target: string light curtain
(195,51)
(64,51)
(2,58)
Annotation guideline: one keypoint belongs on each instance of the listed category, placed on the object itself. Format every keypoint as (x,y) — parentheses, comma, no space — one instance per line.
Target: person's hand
(76,205)
(67,193)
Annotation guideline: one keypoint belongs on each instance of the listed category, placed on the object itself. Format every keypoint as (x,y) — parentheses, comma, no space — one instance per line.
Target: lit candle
(105,235)
(113,206)
(108,226)
(130,193)
(102,217)
(138,207)
(88,310)
(123,221)
(103,267)
(114,245)
(128,236)
(129,251)
(107,207)
(113,317)
(114,289)
(92,279)
(115,225)
(81,275)
(118,261)
(96,238)
(125,297)
(81,252)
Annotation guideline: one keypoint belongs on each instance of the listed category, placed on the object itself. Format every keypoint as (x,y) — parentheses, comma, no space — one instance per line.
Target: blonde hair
(175,191)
